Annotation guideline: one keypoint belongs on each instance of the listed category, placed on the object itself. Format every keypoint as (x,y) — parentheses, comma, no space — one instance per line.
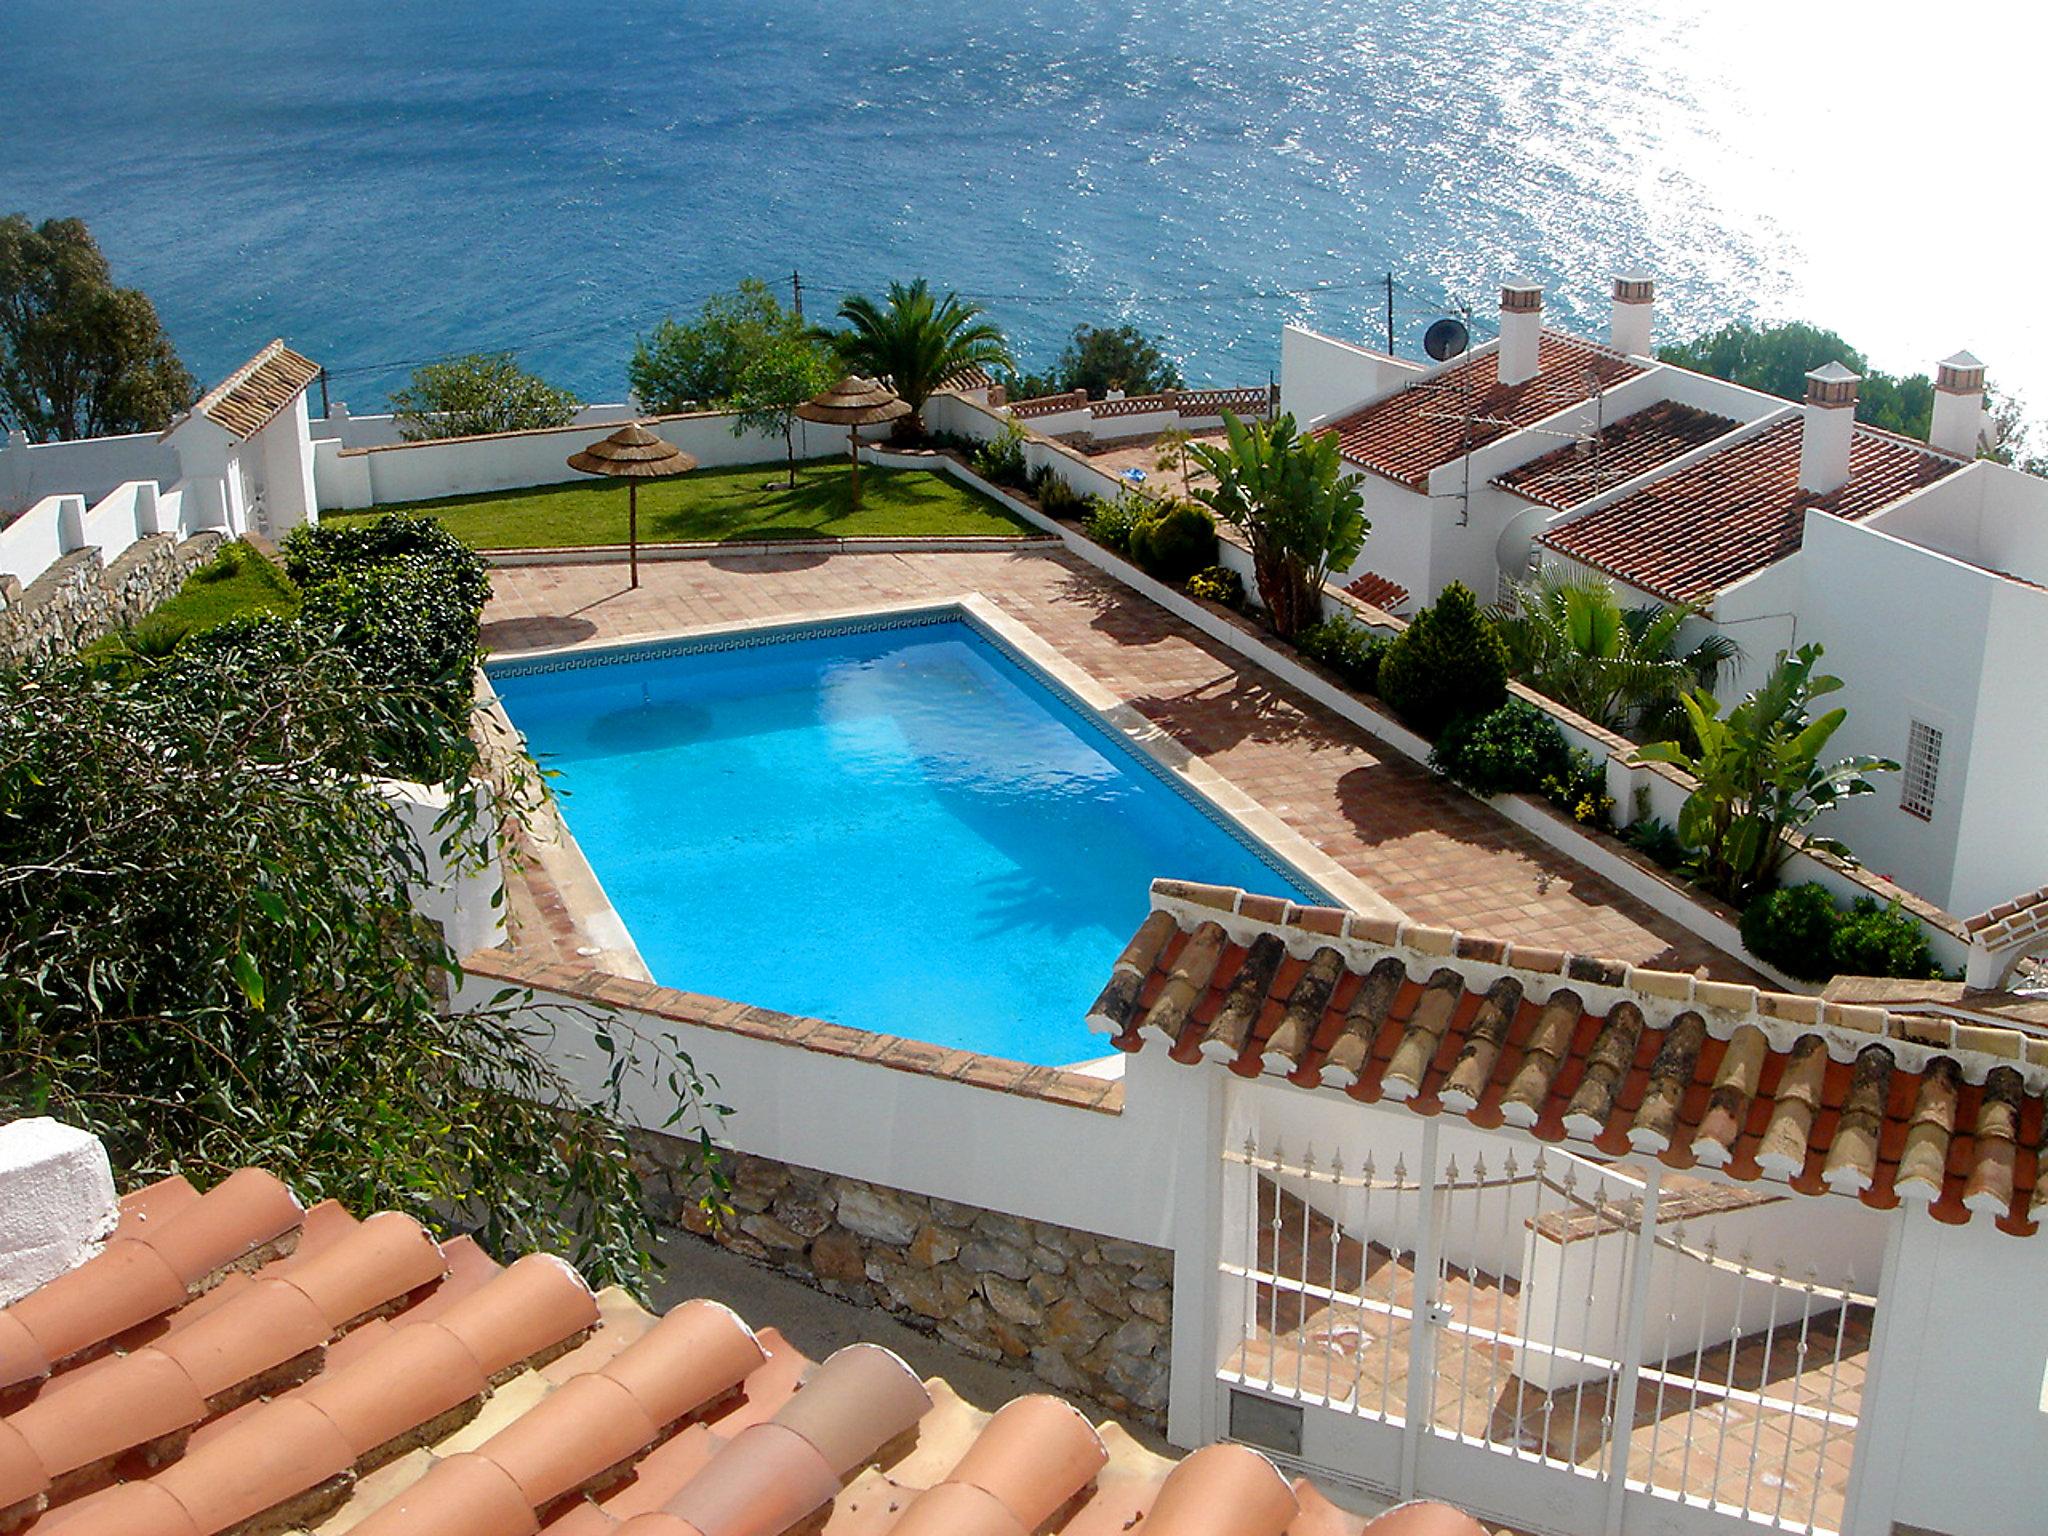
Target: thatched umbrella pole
(854,403)
(633,454)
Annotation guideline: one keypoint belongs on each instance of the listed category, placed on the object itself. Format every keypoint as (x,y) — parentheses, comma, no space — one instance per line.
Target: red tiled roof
(1415,430)
(1731,514)
(1626,448)
(229,1363)
(1821,1096)
(961,380)
(247,400)
(1382,592)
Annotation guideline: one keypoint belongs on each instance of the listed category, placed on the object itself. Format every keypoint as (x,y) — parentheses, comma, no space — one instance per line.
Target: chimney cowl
(1832,385)
(1520,298)
(1635,288)
(1961,374)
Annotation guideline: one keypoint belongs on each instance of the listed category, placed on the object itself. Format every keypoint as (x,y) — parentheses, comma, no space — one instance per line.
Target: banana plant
(1761,778)
(1288,494)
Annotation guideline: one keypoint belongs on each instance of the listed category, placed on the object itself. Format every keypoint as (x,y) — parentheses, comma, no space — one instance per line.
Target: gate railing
(1553,1322)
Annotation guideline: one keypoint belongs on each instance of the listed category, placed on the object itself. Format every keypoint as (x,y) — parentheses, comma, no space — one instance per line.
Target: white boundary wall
(353,478)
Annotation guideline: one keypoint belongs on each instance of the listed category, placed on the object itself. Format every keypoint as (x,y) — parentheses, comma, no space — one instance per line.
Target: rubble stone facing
(1086,1314)
(77,601)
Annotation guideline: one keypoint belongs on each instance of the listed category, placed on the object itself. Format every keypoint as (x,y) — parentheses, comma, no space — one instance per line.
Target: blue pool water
(901,830)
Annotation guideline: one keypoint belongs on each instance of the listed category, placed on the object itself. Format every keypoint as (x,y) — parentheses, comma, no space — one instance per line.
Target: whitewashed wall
(464,877)
(1955,1436)
(89,467)
(1321,376)
(1116,1175)
(349,479)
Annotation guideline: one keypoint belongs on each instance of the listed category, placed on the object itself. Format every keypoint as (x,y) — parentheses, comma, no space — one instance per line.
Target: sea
(384,182)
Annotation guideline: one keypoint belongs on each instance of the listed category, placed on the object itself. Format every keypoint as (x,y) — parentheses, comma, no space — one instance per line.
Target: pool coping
(608,969)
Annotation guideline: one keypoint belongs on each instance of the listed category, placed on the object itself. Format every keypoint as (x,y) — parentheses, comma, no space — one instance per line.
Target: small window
(1923,770)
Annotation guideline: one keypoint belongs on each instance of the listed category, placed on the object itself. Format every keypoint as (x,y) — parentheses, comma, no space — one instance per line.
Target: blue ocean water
(387,180)
(900,831)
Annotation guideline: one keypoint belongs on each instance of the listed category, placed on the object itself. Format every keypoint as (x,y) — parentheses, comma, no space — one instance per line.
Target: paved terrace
(1441,856)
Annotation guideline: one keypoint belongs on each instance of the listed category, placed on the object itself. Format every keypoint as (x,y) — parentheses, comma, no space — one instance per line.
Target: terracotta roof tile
(246,401)
(1837,1099)
(1623,449)
(1381,591)
(1685,536)
(1417,429)
(473,1400)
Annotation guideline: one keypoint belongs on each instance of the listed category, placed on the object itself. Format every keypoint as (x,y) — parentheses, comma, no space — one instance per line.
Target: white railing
(1542,1312)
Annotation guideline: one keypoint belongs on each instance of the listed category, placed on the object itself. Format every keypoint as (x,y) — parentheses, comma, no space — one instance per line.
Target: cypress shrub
(1446,665)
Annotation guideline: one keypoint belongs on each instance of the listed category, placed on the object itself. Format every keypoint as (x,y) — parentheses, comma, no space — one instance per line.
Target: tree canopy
(208,954)
(79,357)
(916,341)
(783,372)
(481,393)
(1100,358)
(1777,358)
(701,365)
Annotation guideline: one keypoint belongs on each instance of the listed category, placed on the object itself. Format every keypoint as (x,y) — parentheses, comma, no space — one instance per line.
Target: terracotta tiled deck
(1441,856)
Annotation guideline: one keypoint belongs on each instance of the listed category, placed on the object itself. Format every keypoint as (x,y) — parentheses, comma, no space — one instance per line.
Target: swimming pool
(896,825)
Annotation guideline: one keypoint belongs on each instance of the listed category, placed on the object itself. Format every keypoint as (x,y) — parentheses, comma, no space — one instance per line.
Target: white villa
(1921,569)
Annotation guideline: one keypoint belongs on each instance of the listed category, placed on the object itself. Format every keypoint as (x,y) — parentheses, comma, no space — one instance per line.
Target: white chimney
(1830,423)
(1521,332)
(1958,406)
(1629,330)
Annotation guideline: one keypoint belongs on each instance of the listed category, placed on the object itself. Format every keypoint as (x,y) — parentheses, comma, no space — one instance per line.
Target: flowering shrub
(1218,584)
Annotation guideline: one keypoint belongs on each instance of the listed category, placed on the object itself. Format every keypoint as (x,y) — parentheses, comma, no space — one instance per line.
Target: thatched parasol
(633,454)
(854,403)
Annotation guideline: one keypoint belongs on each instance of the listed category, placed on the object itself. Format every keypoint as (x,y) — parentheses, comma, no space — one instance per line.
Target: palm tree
(916,342)
(1569,637)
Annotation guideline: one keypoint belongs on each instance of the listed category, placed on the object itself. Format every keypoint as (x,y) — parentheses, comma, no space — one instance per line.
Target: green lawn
(234,582)
(719,505)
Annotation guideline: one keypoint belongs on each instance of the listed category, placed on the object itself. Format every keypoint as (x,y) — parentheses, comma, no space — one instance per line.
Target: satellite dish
(1446,339)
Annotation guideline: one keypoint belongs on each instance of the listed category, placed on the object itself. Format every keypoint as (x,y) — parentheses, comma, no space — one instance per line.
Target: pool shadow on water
(650,727)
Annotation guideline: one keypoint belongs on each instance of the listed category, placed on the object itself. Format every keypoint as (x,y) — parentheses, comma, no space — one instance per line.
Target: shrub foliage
(208,955)
(1446,664)
(1800,930)
(1351,651)
(1173,540)
(1515,749)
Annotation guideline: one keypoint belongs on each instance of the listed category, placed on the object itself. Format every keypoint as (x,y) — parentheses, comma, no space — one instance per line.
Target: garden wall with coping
(77,600)
(1084,1313)
(1663,788)
(350,479)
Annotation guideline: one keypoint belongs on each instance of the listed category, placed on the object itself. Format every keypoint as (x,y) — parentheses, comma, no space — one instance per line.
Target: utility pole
(1390,314)
(796,292)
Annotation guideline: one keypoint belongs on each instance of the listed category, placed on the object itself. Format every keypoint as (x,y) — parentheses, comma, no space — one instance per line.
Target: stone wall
(1086,1314)
(76,601)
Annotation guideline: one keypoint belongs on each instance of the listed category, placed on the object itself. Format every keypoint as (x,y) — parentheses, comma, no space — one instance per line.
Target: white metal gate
(1540,1336)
